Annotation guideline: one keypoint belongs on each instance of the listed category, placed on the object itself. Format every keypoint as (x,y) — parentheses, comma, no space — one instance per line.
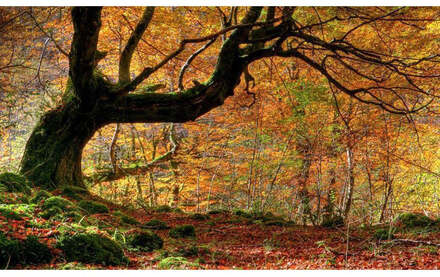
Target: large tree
(370,71)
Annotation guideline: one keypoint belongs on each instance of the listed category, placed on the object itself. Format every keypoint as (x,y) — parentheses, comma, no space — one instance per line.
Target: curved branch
(133,41)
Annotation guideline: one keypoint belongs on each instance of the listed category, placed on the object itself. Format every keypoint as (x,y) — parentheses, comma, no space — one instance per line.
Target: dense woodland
(220,137)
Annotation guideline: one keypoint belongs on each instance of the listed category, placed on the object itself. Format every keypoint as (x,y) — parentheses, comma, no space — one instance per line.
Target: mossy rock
(146,241)
(156,225)
(51,212)
(93,207)
(198,216)
(39,196)
(182,231)
(28,251)
(9,213)
(410,220)
(74,192)
(15,182)
(333,222)
(219,211)
(384,233)
(176,263)
(92,248)
(59,202)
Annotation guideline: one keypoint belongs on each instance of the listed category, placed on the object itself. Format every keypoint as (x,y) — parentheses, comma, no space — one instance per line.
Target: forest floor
(225,241)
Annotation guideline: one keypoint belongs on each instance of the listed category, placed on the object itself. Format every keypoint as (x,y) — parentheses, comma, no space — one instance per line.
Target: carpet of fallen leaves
(241,245)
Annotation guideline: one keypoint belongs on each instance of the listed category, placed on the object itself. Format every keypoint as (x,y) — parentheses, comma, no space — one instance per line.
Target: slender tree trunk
(350,185)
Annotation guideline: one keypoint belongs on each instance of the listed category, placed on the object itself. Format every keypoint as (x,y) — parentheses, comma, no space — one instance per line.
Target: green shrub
(156,224)
(29,251)
(201,217)
(93,207)
(176,263)
(411,220)
(15,183)
(40,195)
(59,202)
(333,221)
(182,231)
(92,248)
(9,213)
(74,192)
(145,241)
(384,233)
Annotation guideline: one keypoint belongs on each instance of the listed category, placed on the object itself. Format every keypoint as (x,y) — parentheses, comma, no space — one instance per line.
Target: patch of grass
(15,182)
(39,196)
(93,207)
(182,231)
(145,241)
(92,248)
(156,225)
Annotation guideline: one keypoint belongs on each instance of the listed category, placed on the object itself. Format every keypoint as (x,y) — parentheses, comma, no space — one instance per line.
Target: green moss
(92,248)
(145,241)
(191,251)
(384,233)
(156,224)
(9,213)
(163,209)
(182,231)
(59,202)
(410,220)
(51,212)
(126,218)
(241,213)
(219,211)
(39,196)
(29,251)
(93,207)
(14,182)
(200,217)
(74,192)
(333,222)
(176,263)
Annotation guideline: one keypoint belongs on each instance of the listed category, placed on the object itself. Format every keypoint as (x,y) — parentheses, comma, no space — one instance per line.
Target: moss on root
(183,231)
(74,192)
(59,202)
(124,218)
(93,207)
(145,241)
(14,182)
(39,196)
(92,248)
(200,217)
